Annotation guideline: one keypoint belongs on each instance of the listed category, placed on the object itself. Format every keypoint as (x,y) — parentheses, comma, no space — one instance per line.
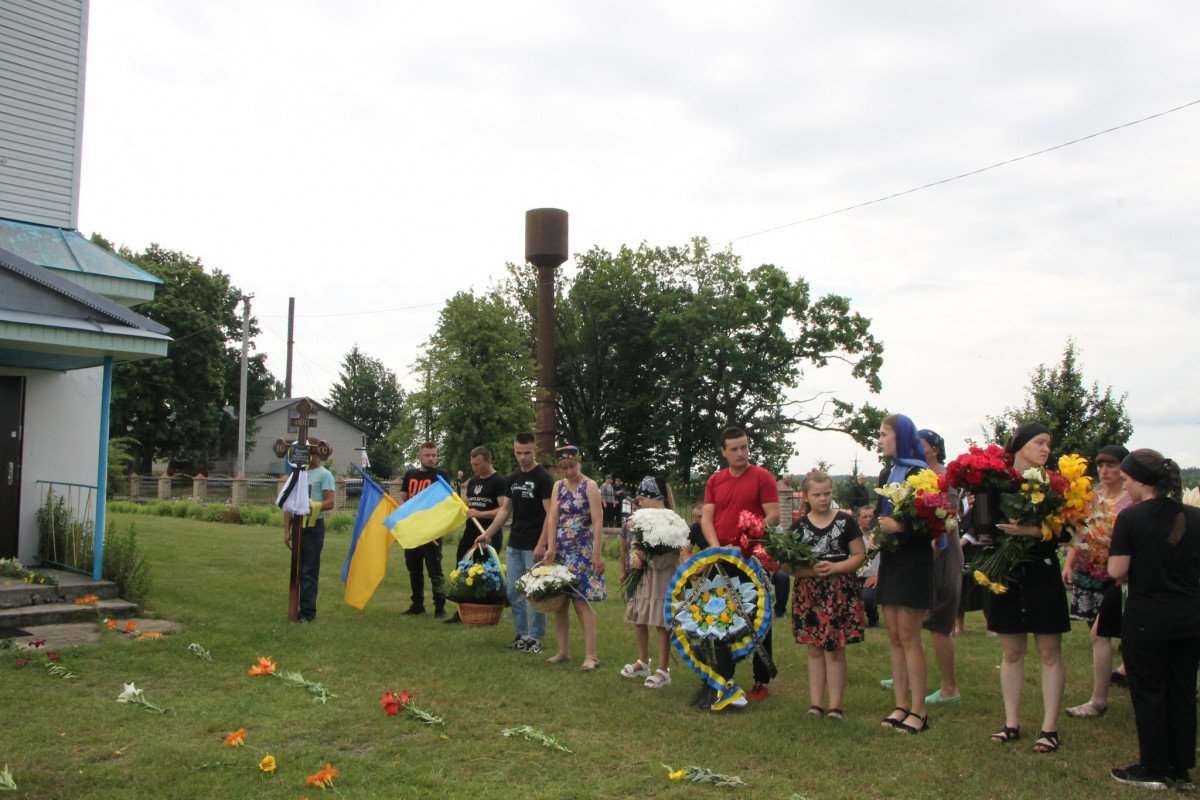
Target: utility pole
(287,380)
(241,464)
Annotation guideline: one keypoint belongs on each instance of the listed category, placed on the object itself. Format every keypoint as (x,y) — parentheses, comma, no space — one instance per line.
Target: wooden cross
(300,453)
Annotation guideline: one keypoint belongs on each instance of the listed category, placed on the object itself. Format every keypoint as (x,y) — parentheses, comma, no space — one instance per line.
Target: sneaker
(414,611)
(517,643)
(1180,779)
(887,683)
(532,647)
(439,613)
(1136,775)
(759,691)
(455,620)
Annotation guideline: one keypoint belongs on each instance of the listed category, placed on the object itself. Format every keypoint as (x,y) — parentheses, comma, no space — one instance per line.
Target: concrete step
(15,592)
(64,612)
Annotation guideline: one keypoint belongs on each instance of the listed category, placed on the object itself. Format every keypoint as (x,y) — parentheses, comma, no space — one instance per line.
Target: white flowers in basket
(546,580)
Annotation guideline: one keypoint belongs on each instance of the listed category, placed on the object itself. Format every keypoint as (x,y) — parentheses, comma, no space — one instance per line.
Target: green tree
(478,382)
(1081,420)
(368,393)
(173,407)
(659,349)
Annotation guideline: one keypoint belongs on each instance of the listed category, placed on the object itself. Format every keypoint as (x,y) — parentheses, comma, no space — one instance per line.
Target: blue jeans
(312,540)
(527,620)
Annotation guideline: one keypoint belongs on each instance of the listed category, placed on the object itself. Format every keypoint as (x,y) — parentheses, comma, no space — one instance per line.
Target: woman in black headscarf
(1156,549)
(1036,604)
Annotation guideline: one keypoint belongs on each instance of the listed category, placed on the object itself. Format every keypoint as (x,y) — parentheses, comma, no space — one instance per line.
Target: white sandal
(638,669)
(658,680)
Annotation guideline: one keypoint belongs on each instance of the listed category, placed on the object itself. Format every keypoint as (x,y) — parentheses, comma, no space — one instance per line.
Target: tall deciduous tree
(659,349)
(368,393)
(478,381)
(173,407)
(1081,420)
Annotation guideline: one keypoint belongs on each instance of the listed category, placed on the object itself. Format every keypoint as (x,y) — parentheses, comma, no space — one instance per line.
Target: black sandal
(891,722)
(834,714)
(814,711)
(904,727)
(1006,735)
(1047,742)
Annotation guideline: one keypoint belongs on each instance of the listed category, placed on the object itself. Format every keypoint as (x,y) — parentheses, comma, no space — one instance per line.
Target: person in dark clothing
(1156,549)
(428,556)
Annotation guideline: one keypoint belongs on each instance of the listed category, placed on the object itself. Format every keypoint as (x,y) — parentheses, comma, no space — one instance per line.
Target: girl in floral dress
(827,607)
(576,518)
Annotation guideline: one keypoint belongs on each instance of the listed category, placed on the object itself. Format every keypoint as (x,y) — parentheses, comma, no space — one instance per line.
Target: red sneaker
(759,691)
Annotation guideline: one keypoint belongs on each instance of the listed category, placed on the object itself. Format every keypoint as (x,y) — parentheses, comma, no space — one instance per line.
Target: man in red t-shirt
(741,486)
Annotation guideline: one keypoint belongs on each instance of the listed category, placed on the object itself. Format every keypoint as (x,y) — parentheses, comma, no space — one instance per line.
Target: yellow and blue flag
(367,561)
(434,511)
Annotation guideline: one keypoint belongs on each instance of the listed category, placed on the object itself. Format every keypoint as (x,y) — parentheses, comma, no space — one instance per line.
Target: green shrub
(180,509)
(163,509)
(338,521)
(262,515)
(125,566)
(231,515)
(66,531)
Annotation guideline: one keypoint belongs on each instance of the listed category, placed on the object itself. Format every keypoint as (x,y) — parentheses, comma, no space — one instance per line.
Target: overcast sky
(372,158)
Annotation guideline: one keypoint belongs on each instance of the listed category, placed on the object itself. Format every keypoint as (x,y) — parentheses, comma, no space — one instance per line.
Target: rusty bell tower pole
(546,249)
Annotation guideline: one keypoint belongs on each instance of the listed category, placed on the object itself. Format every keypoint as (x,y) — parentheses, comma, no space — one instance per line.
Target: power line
(350,313)
(963,175)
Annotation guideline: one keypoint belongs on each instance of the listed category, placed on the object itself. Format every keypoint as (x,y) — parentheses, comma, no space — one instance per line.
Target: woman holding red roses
(1036,604)
(905,590)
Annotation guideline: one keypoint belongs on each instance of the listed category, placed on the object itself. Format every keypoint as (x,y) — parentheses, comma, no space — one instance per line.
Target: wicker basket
(551,604)
(480,615)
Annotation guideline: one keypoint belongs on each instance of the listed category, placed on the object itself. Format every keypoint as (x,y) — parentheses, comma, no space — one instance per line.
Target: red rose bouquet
(982,470)
(751,539)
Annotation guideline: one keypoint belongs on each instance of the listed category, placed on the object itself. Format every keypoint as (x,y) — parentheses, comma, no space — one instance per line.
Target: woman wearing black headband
(1156,549)
(1035,604)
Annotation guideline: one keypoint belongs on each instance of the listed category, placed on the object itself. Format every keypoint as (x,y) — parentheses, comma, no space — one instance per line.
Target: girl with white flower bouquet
(658,536)
(827,607)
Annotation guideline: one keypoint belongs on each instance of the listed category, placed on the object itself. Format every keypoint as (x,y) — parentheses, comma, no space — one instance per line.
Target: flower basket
(478,579)
(548,586)
(480,615)
(985,513)
(548,605)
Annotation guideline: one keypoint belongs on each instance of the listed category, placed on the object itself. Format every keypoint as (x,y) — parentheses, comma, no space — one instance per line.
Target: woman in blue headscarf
(905,590)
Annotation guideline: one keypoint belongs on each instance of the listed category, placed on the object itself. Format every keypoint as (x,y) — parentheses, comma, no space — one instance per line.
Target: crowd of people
(1147,591)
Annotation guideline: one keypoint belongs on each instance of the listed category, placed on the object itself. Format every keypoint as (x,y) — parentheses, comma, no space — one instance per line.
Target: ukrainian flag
(432,512)
(367,560)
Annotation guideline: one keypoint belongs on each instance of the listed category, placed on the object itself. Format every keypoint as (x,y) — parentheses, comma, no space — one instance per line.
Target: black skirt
(1037,603)
(906,575)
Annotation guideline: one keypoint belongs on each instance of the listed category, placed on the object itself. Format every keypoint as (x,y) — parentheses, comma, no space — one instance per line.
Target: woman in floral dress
(576,517)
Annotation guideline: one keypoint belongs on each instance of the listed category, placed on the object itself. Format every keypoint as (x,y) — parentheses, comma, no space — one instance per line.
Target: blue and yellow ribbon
(727,689)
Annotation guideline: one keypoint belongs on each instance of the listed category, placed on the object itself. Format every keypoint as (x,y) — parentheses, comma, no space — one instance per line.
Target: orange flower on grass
(131,626)
(235,739)
(150,635)
(264,667)
(324,778)
(111,623)
(87,600)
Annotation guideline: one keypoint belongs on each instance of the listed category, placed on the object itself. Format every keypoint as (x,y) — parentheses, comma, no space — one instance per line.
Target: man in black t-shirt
(527,501)
(484,491)
(428,556)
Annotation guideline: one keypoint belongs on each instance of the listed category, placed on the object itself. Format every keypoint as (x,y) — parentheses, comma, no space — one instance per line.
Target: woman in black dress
(905,590)
(1156,548)
(1036,604)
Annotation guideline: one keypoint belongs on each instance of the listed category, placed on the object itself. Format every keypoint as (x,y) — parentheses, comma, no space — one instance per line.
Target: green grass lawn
(228,585)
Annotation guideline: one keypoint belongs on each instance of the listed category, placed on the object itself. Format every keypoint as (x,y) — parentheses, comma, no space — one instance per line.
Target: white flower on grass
(130,694)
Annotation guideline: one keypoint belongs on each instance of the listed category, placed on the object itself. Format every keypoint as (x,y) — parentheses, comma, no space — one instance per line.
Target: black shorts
(1108,618)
